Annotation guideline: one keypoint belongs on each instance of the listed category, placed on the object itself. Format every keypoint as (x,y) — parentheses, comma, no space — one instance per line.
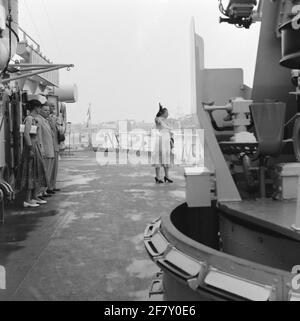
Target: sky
(129,55)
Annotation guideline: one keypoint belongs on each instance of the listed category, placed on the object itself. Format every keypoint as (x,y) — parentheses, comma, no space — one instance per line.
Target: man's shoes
(46,195)
(57,190)
(51,192)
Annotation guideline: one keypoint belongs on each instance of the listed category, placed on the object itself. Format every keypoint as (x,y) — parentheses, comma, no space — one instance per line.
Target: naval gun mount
(237,236)
(216,249)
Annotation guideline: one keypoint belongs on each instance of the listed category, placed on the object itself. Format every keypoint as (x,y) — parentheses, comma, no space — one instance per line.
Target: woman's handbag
(61,134)
(22,129)
(33,128)
(61,137)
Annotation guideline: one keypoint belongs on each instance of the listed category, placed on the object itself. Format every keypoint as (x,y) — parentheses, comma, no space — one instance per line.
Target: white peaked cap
(40,98)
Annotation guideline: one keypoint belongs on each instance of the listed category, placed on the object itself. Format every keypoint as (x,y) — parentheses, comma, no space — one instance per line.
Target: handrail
(26,35)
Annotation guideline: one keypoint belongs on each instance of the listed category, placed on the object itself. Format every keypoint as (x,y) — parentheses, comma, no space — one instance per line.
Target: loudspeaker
(290,46)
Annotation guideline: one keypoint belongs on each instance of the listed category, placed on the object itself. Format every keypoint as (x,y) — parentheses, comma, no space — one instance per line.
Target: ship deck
(276,216)
(87,242)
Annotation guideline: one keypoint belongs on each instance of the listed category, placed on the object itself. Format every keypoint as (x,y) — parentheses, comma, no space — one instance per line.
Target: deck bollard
(296,226)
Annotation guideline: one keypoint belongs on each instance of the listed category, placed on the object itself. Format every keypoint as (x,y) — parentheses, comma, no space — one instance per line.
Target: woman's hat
(39,98)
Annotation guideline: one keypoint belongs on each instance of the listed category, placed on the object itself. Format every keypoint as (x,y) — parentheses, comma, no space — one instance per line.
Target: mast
(89,126)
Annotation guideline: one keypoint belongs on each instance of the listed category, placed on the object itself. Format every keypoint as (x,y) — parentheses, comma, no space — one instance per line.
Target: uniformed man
(57,128)
(47,138)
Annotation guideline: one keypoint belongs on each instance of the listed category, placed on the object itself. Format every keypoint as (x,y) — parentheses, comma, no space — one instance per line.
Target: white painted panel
(242,288)
(2,143)
(2,278)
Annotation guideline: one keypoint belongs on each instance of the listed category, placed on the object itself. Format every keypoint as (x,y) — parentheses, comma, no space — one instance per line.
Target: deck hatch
(240,287)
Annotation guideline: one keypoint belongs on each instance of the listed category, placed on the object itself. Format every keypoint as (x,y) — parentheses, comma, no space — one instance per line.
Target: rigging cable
(33,23)
(58,46)
(9,18)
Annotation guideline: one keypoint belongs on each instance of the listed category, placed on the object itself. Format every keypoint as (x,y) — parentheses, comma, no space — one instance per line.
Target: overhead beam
(39,72)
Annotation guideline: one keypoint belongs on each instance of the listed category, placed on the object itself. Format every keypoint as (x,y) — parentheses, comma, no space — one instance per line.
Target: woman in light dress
(162,157)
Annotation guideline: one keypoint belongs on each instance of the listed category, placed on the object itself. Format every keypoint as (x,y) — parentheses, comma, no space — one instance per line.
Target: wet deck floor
(87,243)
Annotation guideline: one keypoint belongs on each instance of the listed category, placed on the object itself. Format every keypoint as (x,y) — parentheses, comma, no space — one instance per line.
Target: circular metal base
(290,46)
(296,138)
